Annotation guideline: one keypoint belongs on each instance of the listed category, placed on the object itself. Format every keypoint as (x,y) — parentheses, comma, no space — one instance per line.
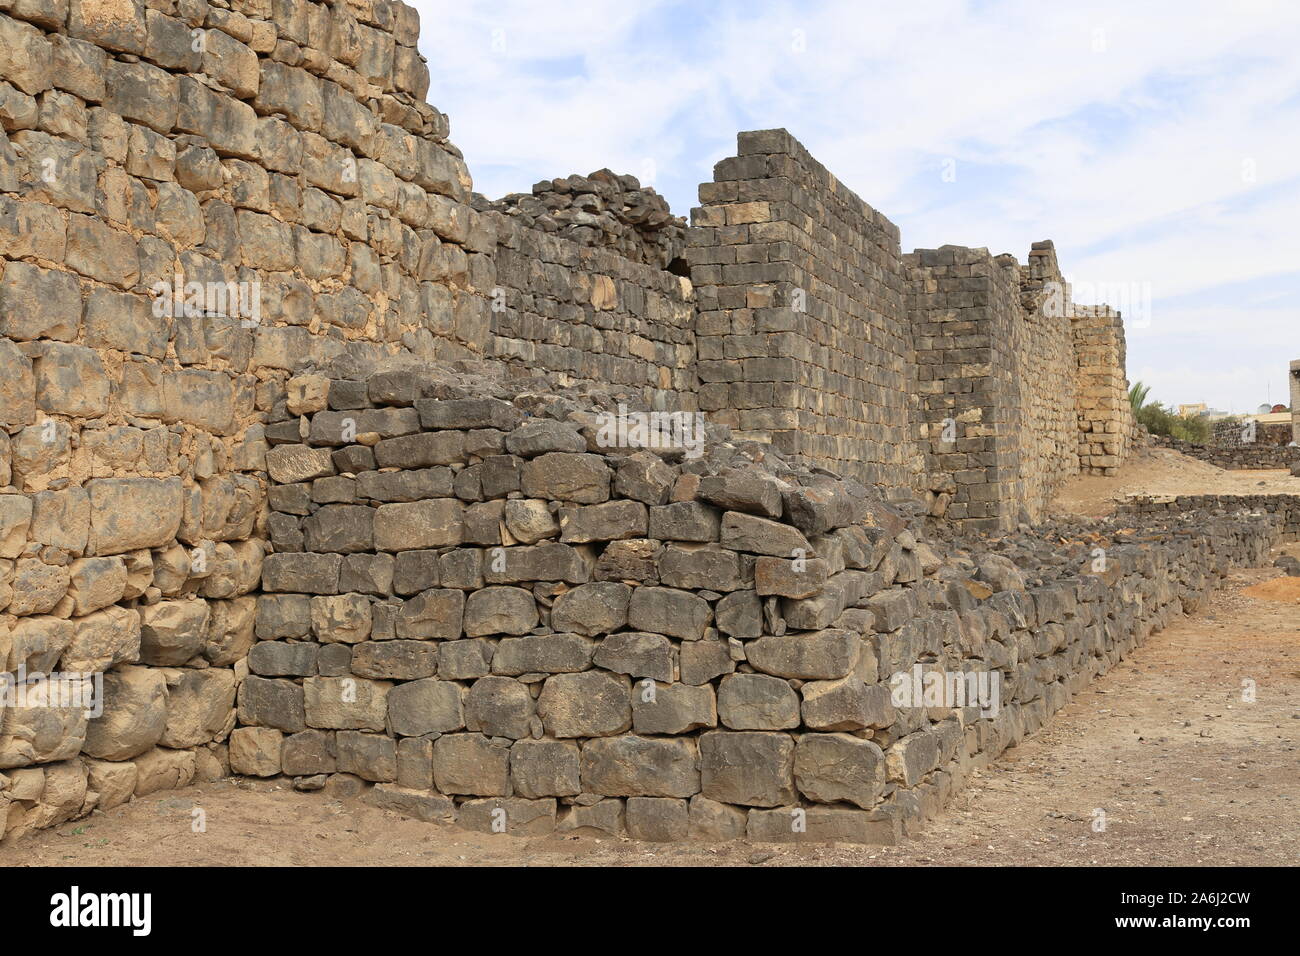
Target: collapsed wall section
(583,289)
(802,338)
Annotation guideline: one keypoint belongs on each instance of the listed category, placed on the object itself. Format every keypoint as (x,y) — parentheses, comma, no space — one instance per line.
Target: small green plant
(1160,420)
(1137,396)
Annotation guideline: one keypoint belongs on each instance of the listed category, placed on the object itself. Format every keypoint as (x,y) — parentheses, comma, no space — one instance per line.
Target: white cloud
(1154,141)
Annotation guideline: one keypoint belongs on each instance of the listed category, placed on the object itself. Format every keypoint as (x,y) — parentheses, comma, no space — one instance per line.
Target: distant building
(1196,408)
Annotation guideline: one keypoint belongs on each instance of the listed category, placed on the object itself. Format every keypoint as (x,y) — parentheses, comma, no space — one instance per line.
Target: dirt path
(1163,471)
(1185,771)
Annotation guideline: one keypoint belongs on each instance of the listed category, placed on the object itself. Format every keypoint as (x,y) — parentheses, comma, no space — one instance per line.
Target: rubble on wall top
(602,209)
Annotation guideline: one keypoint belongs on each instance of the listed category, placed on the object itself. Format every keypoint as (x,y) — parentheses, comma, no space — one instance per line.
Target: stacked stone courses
(486,616)
(801,335)
(1286,508)
(1260,455)
(300,458)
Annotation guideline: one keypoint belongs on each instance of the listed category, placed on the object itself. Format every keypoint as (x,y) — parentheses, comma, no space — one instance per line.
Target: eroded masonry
(316,464)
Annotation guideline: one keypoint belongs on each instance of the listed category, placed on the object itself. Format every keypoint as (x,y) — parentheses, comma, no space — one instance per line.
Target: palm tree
(1137,396)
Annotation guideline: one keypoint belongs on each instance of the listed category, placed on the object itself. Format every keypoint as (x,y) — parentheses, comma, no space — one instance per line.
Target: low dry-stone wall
(499,616)
(1285,507)
(1236,457)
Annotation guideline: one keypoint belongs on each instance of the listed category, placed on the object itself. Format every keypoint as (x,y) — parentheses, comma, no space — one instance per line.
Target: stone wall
(1285,507)
(498,619)
(1048,365)
(968,336)
(802,336)
(1236,457)
(595,304)
(202,207)
(1106,423)
(194,200)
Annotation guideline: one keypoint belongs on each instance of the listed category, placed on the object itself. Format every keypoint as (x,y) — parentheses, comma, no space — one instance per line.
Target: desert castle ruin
(301,457)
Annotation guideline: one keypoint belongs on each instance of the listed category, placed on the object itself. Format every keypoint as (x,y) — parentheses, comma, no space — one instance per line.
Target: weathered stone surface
(603,818)
(691,521)
(17,387)
(757,702)
(199,703)
(172,632)
(134,714)
(35,644)
(419,804)
(740,615)
(542,435)
(830,768)
(131,513)
(846,704)
(559,476)
(632,766)
(264,702)
(471,764)
(95,583)
(37,587)
(610,521)
(467,659)
(543,654)
(702,661)
(468,413)
(15,520)
(255,751)
(644,477)
(908,760)
(821,825)
(549,561)
(345,703)
(305,573)
(701,567)
(371,757)
(500,610)
(592,609)
(672,708)
(715,822)
(815,655)
(102,639)
(589,704)
(114,781)
(545,768)
(798,578)
(508,815)
(436,613)
(743,490)
(47,724)
(308,752)
(669,611)
(341,618)
(657,819)
(747,768)
(637,654)
(409,526)
(425,706)
(499,707)
(743,532)
(395,660)
(343,529)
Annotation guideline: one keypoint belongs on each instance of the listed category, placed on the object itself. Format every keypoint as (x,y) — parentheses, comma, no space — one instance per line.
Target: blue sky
(1157,143)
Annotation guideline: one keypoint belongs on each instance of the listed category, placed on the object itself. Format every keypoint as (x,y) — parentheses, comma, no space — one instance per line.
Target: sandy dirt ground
(1163,471)
(1184,770)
